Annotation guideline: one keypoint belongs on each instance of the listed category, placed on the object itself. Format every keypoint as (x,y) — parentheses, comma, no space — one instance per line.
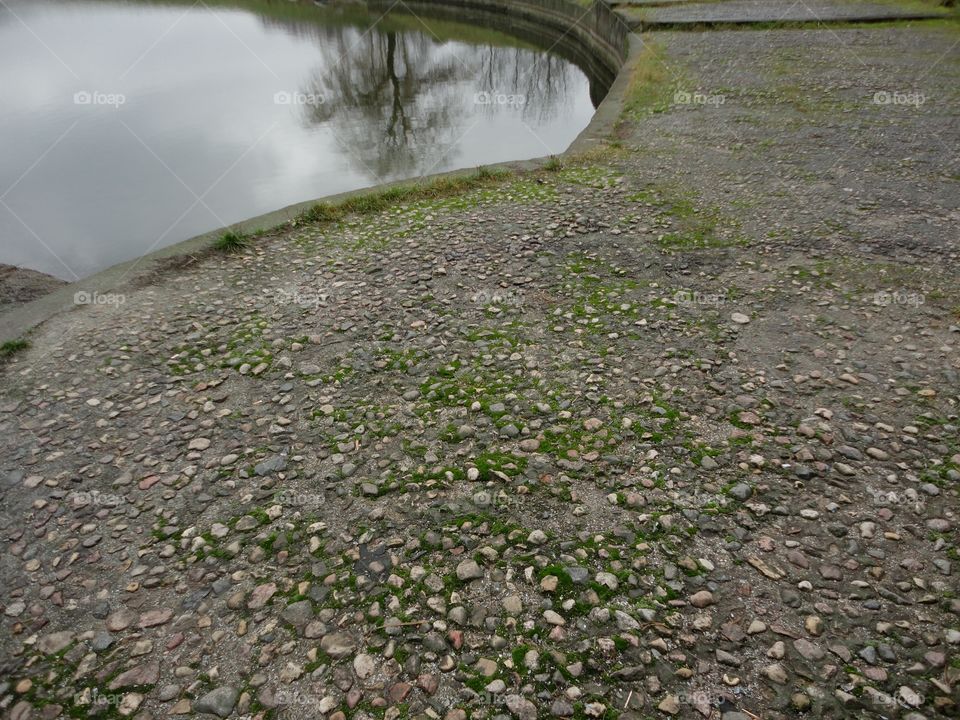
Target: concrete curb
(734,23)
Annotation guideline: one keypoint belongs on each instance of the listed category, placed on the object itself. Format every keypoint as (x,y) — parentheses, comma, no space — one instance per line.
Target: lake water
(129,126)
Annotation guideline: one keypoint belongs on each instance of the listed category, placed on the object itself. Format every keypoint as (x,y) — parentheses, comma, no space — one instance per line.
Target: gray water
(129,126)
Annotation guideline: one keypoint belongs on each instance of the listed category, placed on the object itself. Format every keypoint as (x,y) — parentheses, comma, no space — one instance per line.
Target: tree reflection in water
(399,102)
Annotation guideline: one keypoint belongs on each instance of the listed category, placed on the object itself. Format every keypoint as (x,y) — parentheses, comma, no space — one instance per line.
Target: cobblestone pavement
(670,431)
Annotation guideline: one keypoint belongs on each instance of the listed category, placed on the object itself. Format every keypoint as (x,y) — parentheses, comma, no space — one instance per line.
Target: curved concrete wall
(603,35)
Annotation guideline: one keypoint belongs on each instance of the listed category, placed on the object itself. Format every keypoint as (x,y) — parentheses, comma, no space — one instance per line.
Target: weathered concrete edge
(639,25)
(600,28)
(20,321)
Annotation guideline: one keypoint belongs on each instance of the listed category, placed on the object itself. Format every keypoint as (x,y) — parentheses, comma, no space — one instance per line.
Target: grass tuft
(380,200)
(554,164)
(232,241)
(11,348)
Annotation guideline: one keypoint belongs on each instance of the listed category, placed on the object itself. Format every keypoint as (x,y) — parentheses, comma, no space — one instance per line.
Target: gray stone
(469,570)
(55,642)
(625,622)
(513,605)
(218,702)
(271,465)
(145,674)
(364,666)
(338,645)
(101,641)
(298,614)
(520,707)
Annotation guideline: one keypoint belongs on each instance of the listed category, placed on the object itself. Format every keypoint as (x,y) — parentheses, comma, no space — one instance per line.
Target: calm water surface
(129,126)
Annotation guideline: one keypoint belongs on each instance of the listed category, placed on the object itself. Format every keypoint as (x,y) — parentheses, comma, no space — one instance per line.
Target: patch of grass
(565,584)
(12,347)
(380,200)
(232,241)
(651,84)
(693,225)
(492,461)
(553,164)
(589,175)
(247,344)
(517,655)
